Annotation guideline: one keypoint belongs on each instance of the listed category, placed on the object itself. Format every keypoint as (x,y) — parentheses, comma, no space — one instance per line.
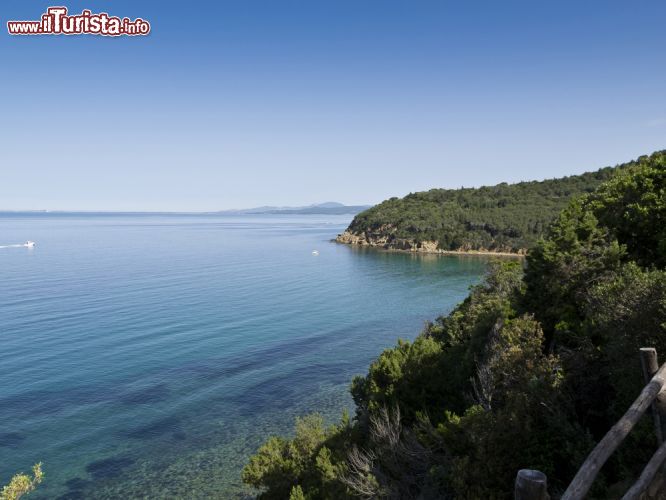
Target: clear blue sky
(244,103)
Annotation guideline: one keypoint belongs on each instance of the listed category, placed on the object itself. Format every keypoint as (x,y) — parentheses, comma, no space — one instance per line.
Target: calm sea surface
(149,355)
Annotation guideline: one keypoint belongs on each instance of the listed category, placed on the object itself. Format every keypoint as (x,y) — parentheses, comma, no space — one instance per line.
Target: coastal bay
(151,354)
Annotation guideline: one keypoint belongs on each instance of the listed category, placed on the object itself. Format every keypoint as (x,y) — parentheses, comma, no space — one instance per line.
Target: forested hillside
(528,372)
(501,218)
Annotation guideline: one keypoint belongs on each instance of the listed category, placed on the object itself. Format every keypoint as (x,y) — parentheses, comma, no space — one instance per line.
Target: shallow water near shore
(149,355)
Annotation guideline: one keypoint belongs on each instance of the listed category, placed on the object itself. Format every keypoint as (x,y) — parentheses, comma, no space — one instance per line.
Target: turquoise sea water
(149,355)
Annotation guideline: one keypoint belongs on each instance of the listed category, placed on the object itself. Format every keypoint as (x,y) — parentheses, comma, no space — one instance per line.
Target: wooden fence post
(581,483)
(650,366)
(531,485)
(646,480)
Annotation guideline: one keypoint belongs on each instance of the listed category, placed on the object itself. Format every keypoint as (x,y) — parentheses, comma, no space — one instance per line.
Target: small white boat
(29,244)
(315,252)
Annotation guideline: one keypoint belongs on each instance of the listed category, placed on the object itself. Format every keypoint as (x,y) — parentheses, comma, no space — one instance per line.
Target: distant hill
(502,218)
(330,208)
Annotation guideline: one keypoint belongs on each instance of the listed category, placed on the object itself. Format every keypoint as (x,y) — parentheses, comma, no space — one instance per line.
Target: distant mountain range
(329,208)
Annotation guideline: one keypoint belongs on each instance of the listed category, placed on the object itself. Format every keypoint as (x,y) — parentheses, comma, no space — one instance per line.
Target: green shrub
(22,484)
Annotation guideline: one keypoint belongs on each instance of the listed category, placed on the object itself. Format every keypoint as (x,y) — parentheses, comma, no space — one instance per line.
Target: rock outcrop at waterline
(387,242)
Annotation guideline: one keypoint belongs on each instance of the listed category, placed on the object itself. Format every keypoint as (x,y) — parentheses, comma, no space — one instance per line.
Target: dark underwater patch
(108,467)
(76,487)
(156,429)
(281,393)
(77,483)
(11,439)
(72,495)
(146,395)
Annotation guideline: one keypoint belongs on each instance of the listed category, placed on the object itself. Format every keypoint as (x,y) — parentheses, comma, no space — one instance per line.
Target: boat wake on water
(27,244)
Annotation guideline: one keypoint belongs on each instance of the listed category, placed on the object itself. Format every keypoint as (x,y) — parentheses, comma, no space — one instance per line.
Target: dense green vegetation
(506,217)
(529,371)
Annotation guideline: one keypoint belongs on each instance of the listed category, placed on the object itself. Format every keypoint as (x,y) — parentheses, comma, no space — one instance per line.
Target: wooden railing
(532,485)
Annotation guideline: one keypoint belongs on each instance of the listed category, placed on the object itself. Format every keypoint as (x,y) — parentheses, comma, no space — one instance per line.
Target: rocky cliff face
(388,242)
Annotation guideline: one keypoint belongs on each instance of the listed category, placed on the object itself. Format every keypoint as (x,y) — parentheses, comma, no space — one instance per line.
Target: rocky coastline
(387,242)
